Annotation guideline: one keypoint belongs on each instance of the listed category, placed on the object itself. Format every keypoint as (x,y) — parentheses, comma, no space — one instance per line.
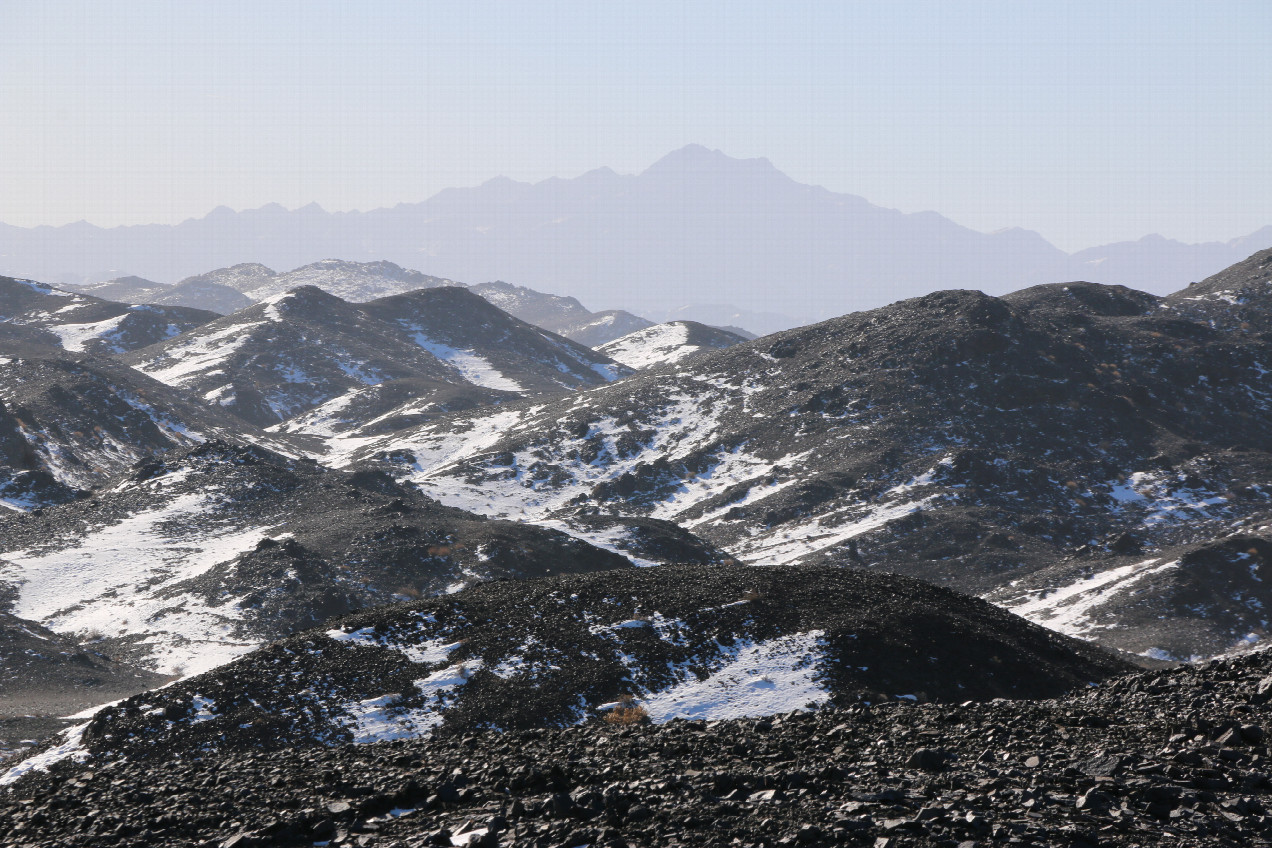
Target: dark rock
(928,759)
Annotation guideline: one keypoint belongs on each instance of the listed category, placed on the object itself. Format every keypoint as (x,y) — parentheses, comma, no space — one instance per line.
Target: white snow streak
(757,678)
(471,366)
(1069,609)
(75,336)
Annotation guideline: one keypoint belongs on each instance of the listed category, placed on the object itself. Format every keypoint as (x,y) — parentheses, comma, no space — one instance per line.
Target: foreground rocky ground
(704,642)
(1177,757)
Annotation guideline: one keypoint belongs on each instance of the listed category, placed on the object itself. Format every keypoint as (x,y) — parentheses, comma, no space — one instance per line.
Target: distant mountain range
(696,236)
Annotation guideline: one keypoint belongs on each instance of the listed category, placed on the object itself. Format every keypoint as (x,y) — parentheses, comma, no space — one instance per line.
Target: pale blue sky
(1086,121)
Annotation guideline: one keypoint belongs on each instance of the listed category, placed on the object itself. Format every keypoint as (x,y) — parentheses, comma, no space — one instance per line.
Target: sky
(1089,122)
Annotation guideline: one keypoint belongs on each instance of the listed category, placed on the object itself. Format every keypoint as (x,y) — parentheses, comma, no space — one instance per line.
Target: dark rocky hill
(128,289)
(1237,298)
(1160,758)
(707,642)
(307,349)
(562,315)
(449,321)
(34,312)
(193,292)
(70,421)
(1180,603)
(964,439)
(205,553)
(45,672)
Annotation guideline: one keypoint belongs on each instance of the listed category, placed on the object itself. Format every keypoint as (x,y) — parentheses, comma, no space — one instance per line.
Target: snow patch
(756,679)
(1069,609)
(75,336)
(660,344)
(473,367)
(71,747)
(382,719)
(111,581)
(180,363)
(431,652)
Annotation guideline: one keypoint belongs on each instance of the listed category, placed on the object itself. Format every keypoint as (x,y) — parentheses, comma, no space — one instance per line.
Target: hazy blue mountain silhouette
(696,227)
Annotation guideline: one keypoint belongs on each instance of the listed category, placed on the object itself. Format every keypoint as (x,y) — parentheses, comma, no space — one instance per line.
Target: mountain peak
(697,158)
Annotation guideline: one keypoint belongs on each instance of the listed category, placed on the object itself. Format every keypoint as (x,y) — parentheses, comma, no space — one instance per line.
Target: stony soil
(1173,758)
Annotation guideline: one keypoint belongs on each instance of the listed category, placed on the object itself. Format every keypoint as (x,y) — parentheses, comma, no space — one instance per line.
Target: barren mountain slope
(72,421)
(34,312)
(310,350)
(192,559)
(965,439)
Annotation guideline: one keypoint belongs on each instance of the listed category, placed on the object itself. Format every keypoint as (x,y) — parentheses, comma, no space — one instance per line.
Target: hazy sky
(1086,121)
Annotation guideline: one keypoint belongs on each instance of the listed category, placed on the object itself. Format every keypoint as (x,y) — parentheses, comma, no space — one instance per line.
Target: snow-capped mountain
(664,344)
(191,560)
(961,438)
(308,350)
(242,278)
(690,642)
(352,281)
(34,312)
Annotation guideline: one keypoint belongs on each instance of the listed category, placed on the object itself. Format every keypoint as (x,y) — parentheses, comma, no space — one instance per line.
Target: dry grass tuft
(627,712)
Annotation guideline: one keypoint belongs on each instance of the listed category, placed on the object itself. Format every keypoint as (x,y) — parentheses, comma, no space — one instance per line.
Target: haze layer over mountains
(698,236)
